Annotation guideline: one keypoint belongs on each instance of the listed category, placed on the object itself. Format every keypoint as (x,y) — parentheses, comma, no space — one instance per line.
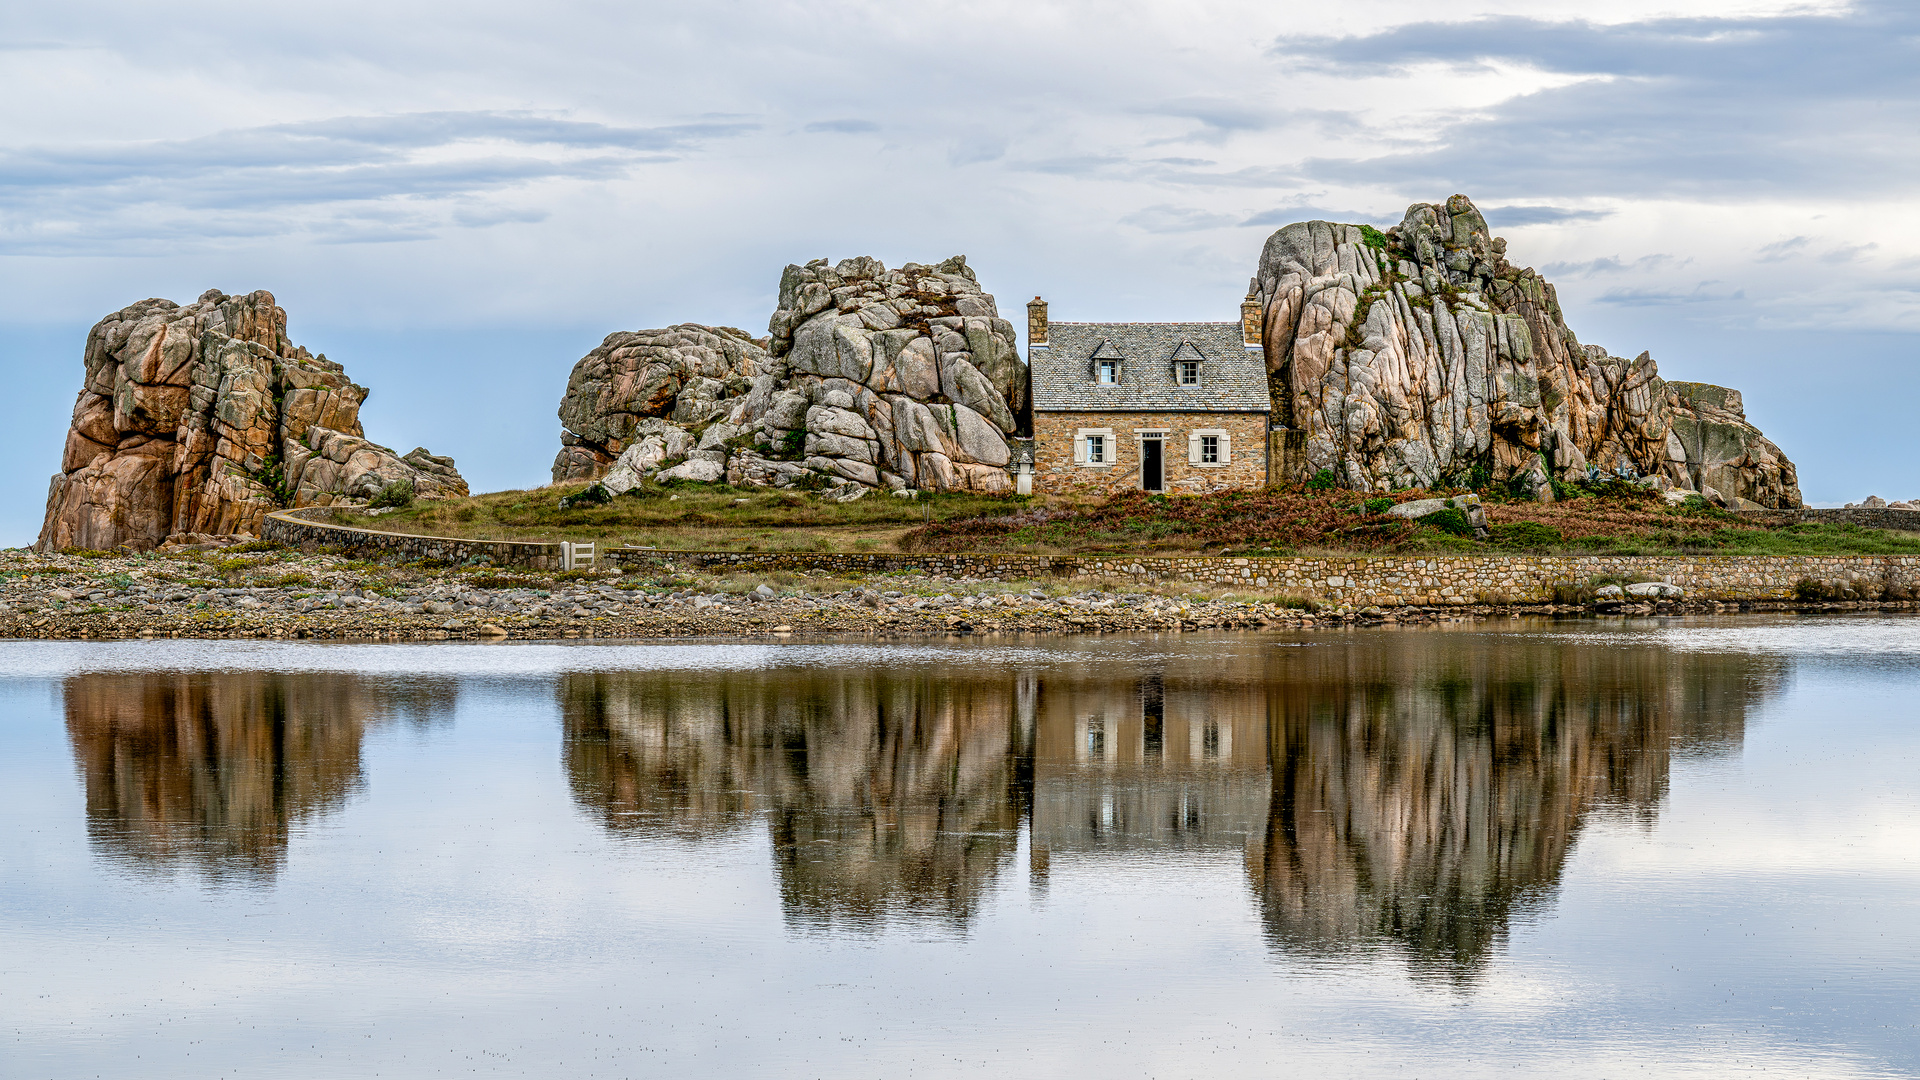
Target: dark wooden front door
(1152,472)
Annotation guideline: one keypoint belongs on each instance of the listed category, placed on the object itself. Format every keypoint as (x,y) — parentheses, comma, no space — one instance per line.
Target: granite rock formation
(1421,356)
(898,379)
(201,419)
(651,386)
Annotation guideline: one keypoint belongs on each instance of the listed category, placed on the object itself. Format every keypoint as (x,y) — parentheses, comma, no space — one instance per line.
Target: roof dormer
(1186,364)
(1105,366)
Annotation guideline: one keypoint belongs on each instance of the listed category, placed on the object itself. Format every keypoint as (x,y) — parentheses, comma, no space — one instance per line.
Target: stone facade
(1099,388)
(1057,436)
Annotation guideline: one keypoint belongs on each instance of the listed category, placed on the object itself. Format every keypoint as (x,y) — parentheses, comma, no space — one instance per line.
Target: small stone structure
(1174,407)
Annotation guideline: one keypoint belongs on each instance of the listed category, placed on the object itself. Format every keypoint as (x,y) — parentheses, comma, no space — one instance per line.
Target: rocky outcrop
(1420,356)
(201,419)
(644,385)
(899,379)
(1718,453)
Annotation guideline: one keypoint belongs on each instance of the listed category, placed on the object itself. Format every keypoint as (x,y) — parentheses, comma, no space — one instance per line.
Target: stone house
(1174,407)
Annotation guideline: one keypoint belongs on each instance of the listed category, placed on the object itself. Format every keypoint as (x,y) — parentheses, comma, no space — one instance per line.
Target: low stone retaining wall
(1386,580)
(291,528)
(1347,581)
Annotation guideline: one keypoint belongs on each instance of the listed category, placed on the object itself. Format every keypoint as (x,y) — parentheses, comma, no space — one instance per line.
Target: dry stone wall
(290,527)
(1386,580)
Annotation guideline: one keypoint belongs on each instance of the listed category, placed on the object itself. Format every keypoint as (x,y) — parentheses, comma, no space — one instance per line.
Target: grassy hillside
(1618,519)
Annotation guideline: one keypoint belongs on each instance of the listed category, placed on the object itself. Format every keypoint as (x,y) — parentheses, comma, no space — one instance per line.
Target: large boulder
(201,419)
(904,379)
(620,392)
(1710,444)
(1420,356)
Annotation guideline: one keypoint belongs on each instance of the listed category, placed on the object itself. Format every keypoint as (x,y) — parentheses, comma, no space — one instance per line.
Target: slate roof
(1232,377)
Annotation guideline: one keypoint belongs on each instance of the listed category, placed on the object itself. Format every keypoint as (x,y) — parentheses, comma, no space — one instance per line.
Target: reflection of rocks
(1422,794)
(215,769)
(652,754)
(884,793)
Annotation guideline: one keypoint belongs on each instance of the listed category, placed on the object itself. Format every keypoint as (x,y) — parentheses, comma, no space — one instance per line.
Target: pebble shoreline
(142,596)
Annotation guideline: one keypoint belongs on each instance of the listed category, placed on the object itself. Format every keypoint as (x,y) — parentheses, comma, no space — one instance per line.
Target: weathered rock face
(1710,442)
(900,379)
(201,419)
(1420,356)
(637,385)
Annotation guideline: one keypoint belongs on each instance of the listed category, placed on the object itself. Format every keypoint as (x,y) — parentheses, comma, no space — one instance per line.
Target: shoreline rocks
(201,594)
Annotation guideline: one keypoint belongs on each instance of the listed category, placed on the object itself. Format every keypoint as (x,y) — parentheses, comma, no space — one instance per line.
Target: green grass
(689,517)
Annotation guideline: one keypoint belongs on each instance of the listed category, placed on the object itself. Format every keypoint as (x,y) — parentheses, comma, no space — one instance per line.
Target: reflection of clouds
(214,769)
(1425,793)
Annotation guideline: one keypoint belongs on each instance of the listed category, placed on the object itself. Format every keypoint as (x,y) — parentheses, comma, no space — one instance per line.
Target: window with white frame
(1189,373)
(1109,372)
(1209,448)
(1094,447)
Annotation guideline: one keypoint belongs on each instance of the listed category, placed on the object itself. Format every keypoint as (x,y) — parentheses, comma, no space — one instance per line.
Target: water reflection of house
(1409,793)
(1424,795)
(214,769)
(1142,765)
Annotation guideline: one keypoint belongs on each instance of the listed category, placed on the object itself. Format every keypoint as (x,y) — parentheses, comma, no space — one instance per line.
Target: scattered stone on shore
(245,591)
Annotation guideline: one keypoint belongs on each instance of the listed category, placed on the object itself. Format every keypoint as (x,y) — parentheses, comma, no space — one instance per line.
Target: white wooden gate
(578,556)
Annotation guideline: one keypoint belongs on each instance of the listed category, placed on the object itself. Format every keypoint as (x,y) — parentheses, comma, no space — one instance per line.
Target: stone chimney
(1251,322)
(1036,323)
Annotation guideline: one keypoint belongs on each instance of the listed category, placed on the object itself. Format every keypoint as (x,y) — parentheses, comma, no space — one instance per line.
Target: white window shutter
(1226,448)
(1193,449)
(1080,448)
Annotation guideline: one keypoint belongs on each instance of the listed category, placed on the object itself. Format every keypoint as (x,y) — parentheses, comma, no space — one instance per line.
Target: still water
(1654,848)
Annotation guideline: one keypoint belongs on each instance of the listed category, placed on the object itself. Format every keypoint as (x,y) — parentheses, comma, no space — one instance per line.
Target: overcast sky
(457,200)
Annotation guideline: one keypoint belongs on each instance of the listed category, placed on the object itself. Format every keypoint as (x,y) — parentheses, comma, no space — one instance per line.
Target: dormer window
(1186,364)
(1106,364)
